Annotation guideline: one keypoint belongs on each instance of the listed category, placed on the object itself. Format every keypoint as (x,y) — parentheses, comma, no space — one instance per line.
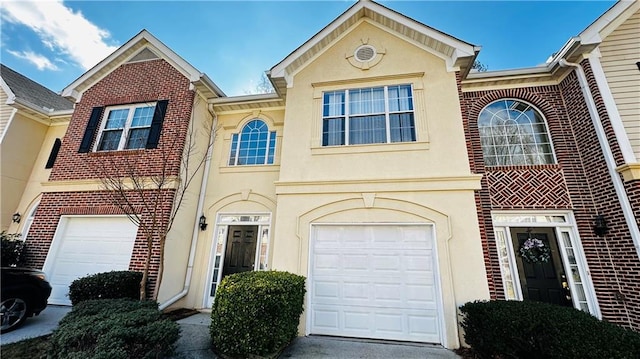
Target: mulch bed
(180,313)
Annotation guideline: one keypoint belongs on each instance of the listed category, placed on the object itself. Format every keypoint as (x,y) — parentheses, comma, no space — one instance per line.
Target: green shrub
(514,329)
(256,313)
(12,251)
(108,285)
(114,329)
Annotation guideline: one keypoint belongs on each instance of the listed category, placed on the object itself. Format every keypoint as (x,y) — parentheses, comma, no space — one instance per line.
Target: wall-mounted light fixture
(16,217)
(638,64)
(203,222)
(600,226)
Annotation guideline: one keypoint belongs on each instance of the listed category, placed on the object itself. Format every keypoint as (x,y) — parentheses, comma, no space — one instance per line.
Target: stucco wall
(18,158)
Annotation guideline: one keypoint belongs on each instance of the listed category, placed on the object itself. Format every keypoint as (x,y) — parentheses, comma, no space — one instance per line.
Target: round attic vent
(365,53)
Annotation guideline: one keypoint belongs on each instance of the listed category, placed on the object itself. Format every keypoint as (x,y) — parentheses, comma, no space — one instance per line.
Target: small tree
(479,66)
(143,191)
(263,87)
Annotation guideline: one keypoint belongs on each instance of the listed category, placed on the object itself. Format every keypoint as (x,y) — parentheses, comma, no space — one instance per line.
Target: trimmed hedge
(114,329)
(515,329)
(256,313)
(13,250)
(107,285)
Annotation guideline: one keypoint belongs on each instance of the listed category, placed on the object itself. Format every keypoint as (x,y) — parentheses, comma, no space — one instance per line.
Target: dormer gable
(142,47)
(457,54)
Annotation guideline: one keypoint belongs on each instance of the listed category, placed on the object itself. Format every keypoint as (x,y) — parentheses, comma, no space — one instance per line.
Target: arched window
(254,145)
(512,133)
(28,222)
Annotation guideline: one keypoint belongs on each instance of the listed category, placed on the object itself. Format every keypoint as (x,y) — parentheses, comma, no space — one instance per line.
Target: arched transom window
(512,133)
(254,145)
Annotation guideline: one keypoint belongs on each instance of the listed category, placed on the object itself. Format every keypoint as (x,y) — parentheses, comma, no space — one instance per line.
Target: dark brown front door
(541,281)
(240,254)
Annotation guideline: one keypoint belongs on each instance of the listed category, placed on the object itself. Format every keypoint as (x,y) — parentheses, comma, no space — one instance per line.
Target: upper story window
(126,127)
(254,145)
(368,115)
(513,133)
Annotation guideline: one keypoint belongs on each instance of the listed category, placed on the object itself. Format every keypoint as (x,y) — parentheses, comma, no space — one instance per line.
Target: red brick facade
(578,182)
(147,81)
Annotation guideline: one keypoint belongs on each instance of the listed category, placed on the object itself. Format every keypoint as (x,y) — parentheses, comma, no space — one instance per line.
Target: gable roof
(140,47)
(456,53)
(31,94)
(606,23)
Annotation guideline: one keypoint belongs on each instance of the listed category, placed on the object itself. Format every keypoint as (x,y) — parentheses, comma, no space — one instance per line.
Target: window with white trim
(368,115)
(125,127)
(512,133)
(254,145)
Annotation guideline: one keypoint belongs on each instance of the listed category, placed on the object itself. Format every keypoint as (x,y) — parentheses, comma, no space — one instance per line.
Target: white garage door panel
(87,245)
(374,282)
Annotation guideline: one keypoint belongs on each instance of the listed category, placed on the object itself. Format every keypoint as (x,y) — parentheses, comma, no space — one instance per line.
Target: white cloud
(62,30)
(41,62)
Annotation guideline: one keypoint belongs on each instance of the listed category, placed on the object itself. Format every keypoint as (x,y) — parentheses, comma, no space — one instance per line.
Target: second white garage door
(87,245)
(374,281)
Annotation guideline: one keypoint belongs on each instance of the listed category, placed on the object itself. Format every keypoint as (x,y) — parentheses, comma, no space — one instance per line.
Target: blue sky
(234,42)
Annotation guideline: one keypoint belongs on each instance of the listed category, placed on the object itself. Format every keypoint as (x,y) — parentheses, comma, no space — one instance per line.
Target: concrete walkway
(195,341)
(37,326)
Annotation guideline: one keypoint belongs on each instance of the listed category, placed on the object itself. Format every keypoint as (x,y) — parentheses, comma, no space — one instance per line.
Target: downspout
(196,227)
(608,155)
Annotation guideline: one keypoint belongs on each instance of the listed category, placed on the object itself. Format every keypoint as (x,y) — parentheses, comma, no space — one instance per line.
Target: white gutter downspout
(608,155)
(196,227)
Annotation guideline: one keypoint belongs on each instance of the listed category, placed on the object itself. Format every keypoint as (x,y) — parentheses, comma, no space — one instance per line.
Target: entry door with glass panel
(240,244)
(542,281)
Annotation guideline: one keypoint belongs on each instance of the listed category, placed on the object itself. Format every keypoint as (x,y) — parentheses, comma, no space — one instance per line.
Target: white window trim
(544,119)
(207,301)
(127,126)
(266,156)
(387,113)
(568,226)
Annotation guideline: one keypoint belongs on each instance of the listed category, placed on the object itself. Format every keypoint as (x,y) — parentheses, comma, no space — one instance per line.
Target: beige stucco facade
(22,169)
(425,182)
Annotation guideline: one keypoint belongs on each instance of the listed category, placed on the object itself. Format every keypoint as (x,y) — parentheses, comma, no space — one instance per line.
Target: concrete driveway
(37,326)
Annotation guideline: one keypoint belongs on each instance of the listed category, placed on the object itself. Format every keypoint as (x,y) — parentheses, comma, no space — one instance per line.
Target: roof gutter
(608,154)
(196,227)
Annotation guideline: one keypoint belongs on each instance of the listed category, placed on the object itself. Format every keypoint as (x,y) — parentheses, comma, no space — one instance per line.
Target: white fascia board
(279,69)
(462,48)
(511,72)
(164,51)
(591,35)
(7,90)
(211,85)
(245,98)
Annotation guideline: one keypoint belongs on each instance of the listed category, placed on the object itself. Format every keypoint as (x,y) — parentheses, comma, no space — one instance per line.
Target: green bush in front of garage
(528,329)
(256,313)
(114,329)
(107,285)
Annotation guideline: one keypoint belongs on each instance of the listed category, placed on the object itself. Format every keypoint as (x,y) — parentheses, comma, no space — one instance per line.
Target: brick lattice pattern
(579,182)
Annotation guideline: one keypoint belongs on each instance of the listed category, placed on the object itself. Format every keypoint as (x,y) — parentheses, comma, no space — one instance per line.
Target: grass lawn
(35,348)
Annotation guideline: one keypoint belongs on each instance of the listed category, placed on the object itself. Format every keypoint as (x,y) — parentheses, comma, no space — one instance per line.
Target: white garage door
(87,245)
(375,281)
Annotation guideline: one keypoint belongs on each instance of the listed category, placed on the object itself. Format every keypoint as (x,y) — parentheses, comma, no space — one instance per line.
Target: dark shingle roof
(30,91)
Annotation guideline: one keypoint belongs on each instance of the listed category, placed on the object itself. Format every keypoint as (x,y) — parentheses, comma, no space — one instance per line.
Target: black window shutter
(156,124)
(54,153)
(90,131)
